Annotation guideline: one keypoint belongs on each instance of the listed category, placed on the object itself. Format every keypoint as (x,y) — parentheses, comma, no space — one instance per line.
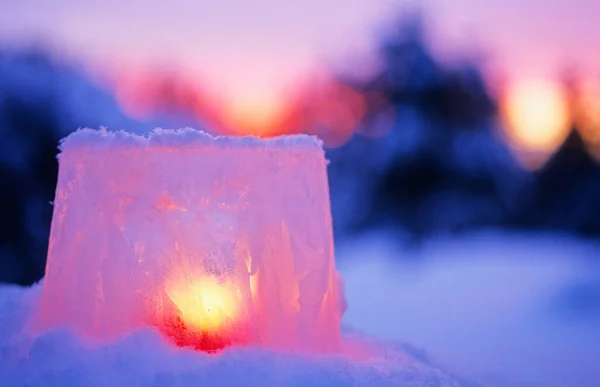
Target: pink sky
(251,50)
(525,38)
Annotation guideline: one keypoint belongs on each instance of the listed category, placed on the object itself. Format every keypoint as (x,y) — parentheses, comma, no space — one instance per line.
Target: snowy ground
(503,310)
(500,310)
(144,358)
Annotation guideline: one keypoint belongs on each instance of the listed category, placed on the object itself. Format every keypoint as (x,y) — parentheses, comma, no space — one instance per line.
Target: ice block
(213,240)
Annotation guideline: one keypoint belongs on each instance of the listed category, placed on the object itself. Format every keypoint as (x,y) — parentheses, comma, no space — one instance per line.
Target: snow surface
(498,308)
(502,309)
(144,358)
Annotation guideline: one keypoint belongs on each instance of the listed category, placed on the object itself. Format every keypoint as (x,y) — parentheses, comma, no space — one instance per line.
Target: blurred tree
(28,168)
(441,166)
(567,190)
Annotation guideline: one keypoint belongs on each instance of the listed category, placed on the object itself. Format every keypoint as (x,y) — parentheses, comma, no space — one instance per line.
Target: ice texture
(214,240)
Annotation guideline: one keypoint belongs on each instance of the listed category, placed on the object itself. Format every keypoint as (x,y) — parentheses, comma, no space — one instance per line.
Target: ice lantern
(214,240)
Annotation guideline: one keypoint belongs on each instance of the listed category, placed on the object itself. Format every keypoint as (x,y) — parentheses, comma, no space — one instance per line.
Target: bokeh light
(588,121)
(257,112)
(537,117)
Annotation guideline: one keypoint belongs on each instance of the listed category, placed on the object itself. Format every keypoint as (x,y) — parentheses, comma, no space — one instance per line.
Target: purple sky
(526,38)
(251,49)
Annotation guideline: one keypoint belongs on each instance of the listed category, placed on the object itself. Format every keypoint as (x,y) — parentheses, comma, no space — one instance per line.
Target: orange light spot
(589,120)
(537,115)
(254,113)
(205,304)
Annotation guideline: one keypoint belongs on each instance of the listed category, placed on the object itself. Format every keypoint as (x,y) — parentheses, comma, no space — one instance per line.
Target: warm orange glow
(254,113)
(537,115)
(325,108)
(589,115)
(330,110)
(205,304)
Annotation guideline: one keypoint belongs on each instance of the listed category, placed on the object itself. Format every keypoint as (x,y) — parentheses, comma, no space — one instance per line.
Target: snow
(143,357)
(497,308)
(502,309)
(215,241)
(183,138)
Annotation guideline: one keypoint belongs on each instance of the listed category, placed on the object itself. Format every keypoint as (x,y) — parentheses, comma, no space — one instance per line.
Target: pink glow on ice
(214,241)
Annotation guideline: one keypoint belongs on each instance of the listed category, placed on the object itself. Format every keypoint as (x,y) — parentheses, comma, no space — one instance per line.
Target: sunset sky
(252,51)
(264,43)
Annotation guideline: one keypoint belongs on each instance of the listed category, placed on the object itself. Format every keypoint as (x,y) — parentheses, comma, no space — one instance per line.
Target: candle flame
(205,304)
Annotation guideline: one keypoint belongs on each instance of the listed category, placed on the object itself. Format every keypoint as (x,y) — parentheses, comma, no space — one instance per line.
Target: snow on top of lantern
(181,138)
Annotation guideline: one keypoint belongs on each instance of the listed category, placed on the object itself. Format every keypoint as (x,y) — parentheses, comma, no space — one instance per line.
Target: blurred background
(464,140)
